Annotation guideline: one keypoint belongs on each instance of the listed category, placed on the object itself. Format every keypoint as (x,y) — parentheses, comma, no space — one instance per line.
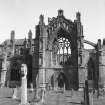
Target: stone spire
(30,35)
(60,12)
(12,35)
(99,43)
(25,43)
(30,41)
(78,16)
(104,41)
(41,19)
(12,40)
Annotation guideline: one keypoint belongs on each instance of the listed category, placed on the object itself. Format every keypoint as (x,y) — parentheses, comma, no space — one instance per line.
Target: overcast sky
(22,15)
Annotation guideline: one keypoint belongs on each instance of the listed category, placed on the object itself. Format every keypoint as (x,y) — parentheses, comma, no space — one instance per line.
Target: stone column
(55,81)
(86,94)
(91,98)
(101,62)
(44,66)
(102,68)
(4,70)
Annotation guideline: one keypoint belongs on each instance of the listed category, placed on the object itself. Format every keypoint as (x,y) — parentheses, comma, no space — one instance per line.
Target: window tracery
(61,50)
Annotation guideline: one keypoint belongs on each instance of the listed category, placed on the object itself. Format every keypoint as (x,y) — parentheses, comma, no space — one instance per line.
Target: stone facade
(58,51)
(14,52)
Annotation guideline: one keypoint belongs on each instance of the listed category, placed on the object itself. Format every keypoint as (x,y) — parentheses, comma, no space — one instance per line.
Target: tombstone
(24,85)
(15,93)
(91,98)
(86,93)
(31,87)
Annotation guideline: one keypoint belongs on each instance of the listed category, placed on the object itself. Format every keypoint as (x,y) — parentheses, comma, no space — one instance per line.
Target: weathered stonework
(58,50)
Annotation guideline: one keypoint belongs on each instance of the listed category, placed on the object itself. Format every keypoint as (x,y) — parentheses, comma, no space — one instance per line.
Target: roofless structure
(58,49)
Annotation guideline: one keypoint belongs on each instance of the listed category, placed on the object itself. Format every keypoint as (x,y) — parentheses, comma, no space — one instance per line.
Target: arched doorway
(14,71)
(59,80)
(62,80)
(92,76)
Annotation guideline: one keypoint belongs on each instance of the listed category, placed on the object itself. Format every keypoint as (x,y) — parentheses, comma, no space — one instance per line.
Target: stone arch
(14,71)
(54,39)
(62,28)
(58,79)
(62,80)
(15,66)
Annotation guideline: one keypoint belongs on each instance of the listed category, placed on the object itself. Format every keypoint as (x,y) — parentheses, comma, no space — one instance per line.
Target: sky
(23,15)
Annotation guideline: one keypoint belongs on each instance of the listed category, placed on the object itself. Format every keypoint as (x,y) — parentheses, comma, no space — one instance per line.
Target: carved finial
(25,42)
(60,12)
(49,19)
(104,41)
(99,43)
(78,16)
(12,32)
(12,35)
(30,34)
(41,19)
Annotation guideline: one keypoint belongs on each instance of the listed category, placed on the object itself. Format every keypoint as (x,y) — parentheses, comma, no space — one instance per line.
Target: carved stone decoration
(60,27)
(58,46)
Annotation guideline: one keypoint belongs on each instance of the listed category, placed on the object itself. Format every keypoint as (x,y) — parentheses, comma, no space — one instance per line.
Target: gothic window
(64,46)
(61,50)
(64,50)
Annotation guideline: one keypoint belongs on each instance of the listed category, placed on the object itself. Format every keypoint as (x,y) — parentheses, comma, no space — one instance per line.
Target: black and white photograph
(52,52)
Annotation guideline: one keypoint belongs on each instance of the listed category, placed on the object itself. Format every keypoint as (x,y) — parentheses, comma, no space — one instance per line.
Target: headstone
(24,85)
(86,93)
(16,93)
(91,98)
(31,87)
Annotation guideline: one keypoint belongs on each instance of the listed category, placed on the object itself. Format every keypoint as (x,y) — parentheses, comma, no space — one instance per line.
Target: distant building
(56,55)
(13,53)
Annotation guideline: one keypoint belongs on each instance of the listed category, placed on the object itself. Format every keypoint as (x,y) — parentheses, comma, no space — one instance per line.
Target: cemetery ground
(51,98)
